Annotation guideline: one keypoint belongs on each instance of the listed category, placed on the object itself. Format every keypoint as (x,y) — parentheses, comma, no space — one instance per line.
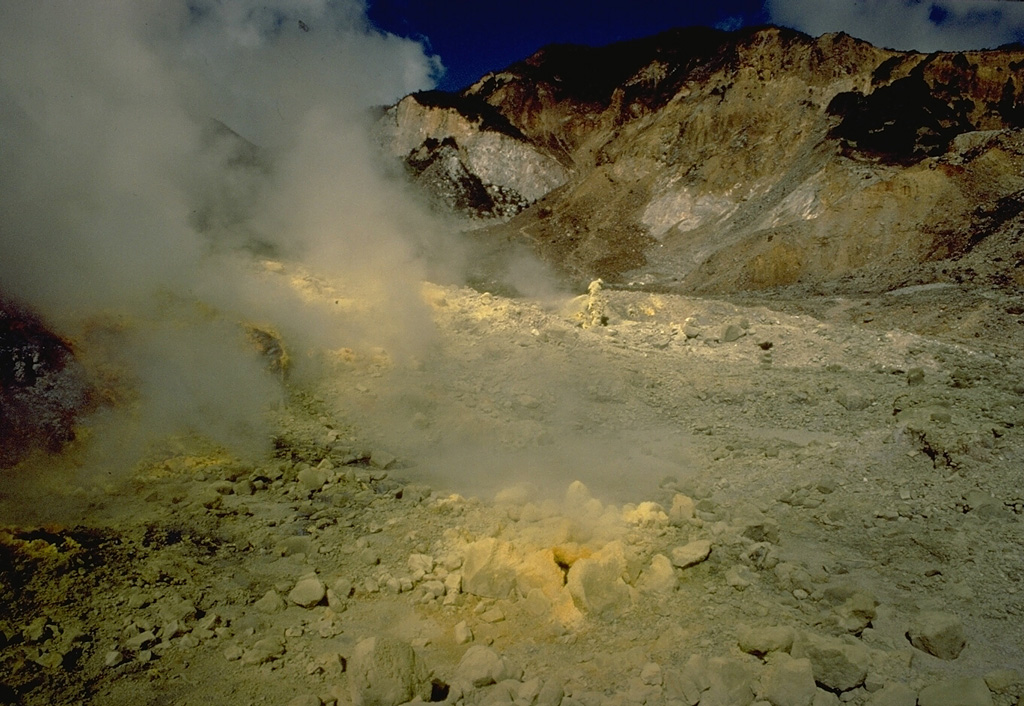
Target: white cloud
(939,25)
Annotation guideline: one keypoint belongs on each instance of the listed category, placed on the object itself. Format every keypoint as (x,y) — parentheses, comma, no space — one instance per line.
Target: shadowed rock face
(705,161)
(42,388)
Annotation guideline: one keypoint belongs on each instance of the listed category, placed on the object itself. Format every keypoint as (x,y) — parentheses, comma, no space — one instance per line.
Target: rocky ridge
(703,161)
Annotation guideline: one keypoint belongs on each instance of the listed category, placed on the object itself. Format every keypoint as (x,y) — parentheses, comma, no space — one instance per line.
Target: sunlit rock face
(467,156)
(42,387)
(710,161)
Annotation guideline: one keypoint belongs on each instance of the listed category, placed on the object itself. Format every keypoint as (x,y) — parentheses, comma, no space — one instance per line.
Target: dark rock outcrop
(42,387)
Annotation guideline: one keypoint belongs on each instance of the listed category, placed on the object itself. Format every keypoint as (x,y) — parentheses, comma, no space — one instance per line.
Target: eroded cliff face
(714,162)
(467,156)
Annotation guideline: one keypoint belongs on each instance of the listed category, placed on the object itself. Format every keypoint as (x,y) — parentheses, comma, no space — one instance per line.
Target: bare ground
(829,452)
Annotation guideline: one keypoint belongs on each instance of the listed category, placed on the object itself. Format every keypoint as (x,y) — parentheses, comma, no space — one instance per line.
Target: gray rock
(308,592)
(551,694)
(342,588)
(596,586)
(270,603)
(290,546)
(839,665)
(659,577)
(760,641)
(789,682)
(265,650)
(938,633)
(730,683)
(857,612)
(382,459)
(853,400)
(956,692)
(682,510)
(481,666)
(982,504)
(752,524)
(651,674)
(528,691)
(681,687)
(488,569)
(306,700)
(730,333)
(463,633)
(825,698)
(691,554)
(893,694)
(138,642)
(1002,680)
(386,672)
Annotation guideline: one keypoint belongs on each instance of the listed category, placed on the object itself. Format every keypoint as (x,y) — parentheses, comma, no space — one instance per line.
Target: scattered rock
(651,674)
(691,554)
(270,603)
(539,570)
(481,666)
(1002,680)
(551,694)
(893,694)
(140,641)
(971,691)
(265,650)
(788,682)
(463,633)
(938,633)
(730,333)
(308,592)
(853,400)
(597,587)
(982,504)
(384,671)
(839,665)
(682,510)
(760,641)
(825,698)
(688,684)
(730,683)
(382,459)
(290,546)
(488,569)
(306,700)
(659,577)
(856,612)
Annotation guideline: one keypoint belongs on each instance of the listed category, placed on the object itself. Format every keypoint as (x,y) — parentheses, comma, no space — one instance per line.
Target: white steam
(940,25)
(149,148)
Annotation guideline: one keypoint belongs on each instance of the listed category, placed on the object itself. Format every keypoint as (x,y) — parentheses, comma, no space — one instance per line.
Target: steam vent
(682,371)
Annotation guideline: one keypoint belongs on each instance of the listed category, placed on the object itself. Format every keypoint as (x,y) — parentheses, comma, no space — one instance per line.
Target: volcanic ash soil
(621,499)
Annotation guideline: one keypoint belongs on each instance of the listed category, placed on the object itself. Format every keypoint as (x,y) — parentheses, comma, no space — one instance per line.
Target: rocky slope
(713,162)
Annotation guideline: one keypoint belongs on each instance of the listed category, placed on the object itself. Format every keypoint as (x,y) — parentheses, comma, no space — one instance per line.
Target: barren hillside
(707,162)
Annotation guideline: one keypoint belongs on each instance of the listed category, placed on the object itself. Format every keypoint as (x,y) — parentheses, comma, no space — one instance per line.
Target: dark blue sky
(473,37)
